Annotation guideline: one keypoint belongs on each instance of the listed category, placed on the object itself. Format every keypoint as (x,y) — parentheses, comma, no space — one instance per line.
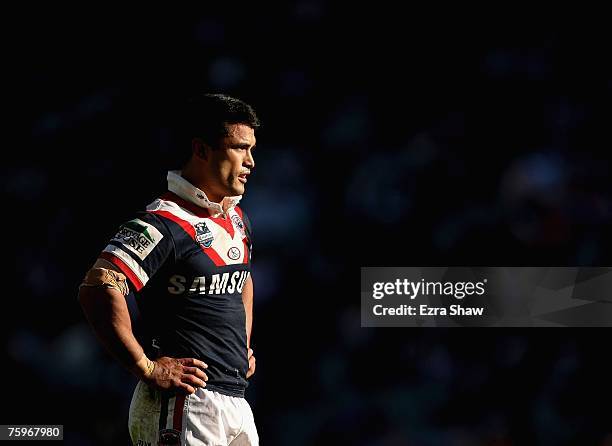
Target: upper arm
(102,304)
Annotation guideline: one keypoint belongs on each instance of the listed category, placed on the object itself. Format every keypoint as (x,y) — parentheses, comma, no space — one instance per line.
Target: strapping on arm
(145,366)
(101,277)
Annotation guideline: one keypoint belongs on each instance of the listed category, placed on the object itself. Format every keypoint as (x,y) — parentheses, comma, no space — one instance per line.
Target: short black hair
(208,115)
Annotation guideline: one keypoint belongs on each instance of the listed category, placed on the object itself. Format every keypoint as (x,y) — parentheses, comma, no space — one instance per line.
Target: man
(187,257)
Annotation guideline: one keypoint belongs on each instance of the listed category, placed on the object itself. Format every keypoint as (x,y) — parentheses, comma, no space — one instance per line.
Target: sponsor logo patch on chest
(225,283)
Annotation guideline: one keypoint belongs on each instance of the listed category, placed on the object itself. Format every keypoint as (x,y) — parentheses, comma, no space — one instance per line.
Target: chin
(237,191)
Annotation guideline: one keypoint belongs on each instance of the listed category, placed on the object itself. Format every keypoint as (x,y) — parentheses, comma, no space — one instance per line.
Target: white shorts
(203,418)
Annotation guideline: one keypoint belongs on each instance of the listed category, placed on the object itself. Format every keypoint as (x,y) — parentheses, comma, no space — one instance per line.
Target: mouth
(243,177)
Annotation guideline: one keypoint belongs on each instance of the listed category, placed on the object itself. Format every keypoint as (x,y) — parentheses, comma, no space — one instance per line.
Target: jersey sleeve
(139,248)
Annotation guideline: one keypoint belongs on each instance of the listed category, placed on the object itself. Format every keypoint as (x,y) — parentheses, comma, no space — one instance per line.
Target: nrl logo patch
(203,235)
(239,224)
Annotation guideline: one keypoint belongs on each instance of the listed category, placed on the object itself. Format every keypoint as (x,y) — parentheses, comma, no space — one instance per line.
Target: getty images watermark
(410,289)
(486,296)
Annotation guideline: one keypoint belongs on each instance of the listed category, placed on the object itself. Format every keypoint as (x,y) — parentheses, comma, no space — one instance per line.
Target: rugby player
(187,258)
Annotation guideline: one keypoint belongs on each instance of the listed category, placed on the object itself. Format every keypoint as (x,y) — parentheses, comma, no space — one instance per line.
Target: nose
(249,160)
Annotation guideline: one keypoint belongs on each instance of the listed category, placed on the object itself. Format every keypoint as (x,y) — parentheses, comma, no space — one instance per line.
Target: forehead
(240,134)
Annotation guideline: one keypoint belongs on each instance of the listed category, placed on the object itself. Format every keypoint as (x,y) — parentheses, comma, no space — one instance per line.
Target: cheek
(225,168)
(233,167)
(228,172)
(229,169)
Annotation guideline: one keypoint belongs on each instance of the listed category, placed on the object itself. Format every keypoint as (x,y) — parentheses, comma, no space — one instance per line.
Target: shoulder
(146,224)
(239,211)
(143,234)
(243,217)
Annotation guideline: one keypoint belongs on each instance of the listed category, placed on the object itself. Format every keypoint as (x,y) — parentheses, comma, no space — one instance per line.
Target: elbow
(84,298)
(80,295)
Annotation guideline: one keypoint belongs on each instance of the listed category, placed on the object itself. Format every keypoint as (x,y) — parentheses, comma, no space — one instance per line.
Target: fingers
(193,362)
(193,375)
(196,371)
(186,388)
(184,374)
(192,380)
(251,366)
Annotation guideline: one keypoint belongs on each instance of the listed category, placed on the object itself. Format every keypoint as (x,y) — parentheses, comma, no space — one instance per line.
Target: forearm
(107,312)
(247,300)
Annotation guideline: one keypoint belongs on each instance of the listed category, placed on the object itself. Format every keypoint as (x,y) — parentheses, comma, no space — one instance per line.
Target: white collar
(187,191)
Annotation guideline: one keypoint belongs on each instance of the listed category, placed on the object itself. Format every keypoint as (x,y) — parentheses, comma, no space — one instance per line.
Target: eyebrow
(243,145)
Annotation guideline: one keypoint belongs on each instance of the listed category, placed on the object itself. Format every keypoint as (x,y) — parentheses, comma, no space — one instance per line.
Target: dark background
(390,138)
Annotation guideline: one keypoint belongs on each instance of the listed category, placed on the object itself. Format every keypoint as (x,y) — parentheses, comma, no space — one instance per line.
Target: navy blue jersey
(188,265)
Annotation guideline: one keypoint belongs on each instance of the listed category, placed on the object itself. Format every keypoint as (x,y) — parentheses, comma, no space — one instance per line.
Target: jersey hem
(214,388)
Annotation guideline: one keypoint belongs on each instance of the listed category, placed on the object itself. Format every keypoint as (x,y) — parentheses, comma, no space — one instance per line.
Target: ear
(199,148)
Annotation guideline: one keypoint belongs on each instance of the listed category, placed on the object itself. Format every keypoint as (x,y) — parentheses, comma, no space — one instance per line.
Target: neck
(195,177)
